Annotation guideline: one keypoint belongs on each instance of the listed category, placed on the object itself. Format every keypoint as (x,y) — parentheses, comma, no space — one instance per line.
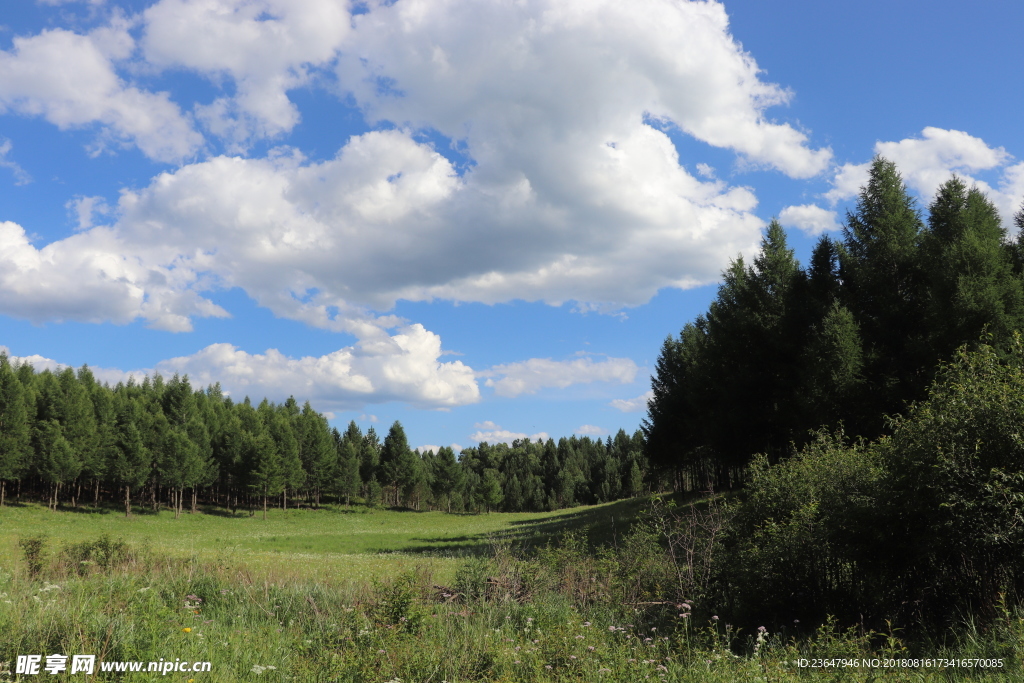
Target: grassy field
(333,543)
(344,595)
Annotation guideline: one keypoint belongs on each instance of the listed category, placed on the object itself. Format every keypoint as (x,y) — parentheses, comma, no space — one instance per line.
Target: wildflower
(380,652)
(604,671)
(654,628)
(572,656)
(612,629)
(647,640)
(590,647)
(548,666)
(579,637)
(796,621)
(186,630)
(517,662)
(529,619)
(586,623)
(661,667)
(714,618)
(685,606)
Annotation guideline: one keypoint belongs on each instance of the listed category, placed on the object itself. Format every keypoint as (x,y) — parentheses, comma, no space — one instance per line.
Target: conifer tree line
(65,438)
(849,341)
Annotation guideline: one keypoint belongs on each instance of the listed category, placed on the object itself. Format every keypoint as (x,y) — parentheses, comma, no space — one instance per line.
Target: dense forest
(850,340)
(870,410)
(66,437)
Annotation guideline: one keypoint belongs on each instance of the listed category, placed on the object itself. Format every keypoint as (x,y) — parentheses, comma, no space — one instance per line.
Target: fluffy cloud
(928,161)
(493,433)
(404,367)
(69,80)
(567,75)
(87,278)
(530,376)
(632,405)
(575,191)
(40,363)
(591,430)
(810,218)
(265,48)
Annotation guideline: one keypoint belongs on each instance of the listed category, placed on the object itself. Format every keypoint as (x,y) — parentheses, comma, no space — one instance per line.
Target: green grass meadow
(336,544)
(353,595)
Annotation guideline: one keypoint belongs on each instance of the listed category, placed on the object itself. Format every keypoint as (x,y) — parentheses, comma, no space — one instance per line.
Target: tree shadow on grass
(599,525)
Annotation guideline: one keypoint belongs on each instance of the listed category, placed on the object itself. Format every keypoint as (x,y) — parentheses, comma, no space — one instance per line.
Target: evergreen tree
(883,282)
(15,431)
(398,464)
(318,450)
(128,459)
(970,272)
(55,458)
(346,481)
(448,476)
(490,493)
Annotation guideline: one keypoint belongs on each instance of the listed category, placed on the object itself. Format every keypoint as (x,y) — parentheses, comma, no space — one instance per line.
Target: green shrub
(34,548)
(956,495)
(802,545)
(395,604)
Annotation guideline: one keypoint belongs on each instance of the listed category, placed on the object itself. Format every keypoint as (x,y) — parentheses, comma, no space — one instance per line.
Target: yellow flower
(186,630)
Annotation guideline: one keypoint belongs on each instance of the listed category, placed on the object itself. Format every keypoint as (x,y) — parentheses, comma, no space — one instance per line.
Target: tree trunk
(264,505)
(127,501)
(284,498)
(193,500)
(3,491)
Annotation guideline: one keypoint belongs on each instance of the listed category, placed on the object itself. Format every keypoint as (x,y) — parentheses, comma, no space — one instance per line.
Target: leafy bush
(103,553)
(34,548)
(956,499)
(801,544)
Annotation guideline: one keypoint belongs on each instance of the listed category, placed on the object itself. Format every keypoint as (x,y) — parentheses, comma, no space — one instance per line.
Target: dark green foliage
(158,442)
(956,493)
(15,431)
(854,338)
(801,545)
(926,524)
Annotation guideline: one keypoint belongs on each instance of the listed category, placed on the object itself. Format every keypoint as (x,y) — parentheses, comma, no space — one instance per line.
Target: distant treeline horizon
(65,437)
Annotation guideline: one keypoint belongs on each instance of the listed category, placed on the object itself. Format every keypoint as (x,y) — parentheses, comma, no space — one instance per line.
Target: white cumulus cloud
(633,405)
(69,80)
(403,367)
(591,430)
(928,161)
(493,433)
(530,376)
(809,218)
(574,191)
(264,47)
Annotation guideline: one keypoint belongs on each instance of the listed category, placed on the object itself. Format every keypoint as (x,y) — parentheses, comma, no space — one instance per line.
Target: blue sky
(481,219)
